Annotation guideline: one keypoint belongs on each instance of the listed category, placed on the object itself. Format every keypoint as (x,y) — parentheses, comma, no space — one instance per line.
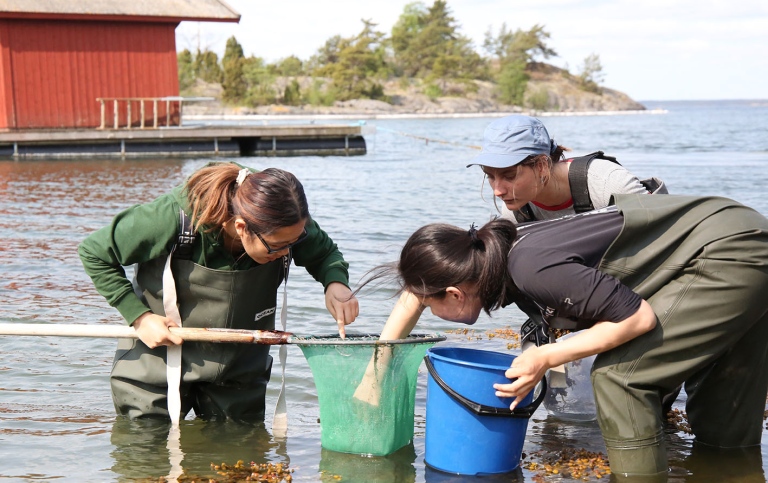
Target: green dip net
(366,389)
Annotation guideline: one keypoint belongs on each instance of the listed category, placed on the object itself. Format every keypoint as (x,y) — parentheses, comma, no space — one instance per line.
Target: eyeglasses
(271,250)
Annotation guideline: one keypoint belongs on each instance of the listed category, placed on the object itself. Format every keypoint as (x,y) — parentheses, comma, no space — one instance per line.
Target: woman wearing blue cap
(667,290)
(528,172)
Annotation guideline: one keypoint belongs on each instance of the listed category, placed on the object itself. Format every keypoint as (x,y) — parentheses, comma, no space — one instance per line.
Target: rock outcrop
(549,89)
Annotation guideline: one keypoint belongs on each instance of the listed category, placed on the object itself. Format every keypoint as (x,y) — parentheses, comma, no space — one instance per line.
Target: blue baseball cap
(511,139)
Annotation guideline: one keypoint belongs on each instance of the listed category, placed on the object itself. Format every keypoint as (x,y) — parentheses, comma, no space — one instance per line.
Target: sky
(649,49)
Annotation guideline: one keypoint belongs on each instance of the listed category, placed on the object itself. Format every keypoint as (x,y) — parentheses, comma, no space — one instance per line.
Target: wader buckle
(533,332)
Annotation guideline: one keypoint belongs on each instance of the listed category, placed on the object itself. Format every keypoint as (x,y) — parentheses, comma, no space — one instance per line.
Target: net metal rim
(365,339)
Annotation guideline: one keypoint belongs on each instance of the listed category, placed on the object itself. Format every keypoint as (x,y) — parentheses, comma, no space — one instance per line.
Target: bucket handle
(481,409)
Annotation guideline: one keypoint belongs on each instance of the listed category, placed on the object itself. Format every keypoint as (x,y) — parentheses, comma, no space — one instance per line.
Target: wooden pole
(126,332)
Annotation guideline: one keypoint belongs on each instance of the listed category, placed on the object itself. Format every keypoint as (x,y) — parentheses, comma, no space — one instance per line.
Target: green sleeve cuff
(335,275)
(131,307)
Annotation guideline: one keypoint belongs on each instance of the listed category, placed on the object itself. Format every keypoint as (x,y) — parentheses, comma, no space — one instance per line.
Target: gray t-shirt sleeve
(606,178)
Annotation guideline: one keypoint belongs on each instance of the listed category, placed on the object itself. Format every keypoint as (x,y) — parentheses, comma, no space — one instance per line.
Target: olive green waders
(218,380)
(702,264)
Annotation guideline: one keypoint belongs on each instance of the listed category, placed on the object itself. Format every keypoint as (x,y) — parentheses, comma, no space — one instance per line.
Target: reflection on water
(57,420)
(397,466)
(140,447)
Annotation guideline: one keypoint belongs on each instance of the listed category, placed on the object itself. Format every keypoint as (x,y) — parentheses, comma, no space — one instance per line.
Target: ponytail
(265,200)
(209,191)
(495,238)
(439,256)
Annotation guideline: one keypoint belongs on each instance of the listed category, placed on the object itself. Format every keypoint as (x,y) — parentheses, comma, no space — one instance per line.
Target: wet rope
(426,139)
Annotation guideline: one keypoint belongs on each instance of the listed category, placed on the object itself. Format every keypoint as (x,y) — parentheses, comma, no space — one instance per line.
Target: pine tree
(427,44)
(186,68)
(591,74)
(360,65)
(207,66)
(233,83)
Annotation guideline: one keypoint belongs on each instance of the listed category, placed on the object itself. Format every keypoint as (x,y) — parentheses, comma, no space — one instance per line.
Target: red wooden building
(58,57)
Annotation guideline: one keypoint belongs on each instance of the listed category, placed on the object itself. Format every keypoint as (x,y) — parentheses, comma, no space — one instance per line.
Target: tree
(519,45)
(591,74)
(233,83)
(292,94)
(327,54)
(427,44)
(289,67)
(186,68)
(408,26)
(360,64)
(512,82)
(513,51)
(207,66)
(259,81)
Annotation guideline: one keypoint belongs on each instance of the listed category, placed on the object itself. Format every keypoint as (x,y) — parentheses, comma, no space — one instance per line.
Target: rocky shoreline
(559,94)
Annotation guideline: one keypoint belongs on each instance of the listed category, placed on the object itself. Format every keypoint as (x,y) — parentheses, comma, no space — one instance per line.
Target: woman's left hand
(342,305)
(527,370)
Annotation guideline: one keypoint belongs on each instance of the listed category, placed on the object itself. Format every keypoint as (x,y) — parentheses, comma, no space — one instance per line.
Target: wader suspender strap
(183,248)
(186,239)
(577,180)
(173,356)
(280,419)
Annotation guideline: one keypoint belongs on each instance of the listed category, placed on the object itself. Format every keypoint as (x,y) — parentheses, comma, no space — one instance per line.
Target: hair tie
(552,147)
(242,175)
(473,233)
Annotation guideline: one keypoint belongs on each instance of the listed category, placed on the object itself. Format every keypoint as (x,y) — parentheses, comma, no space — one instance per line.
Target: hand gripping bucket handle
(481,409)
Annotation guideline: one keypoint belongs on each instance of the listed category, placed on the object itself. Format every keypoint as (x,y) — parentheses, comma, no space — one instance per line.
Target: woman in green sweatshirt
(243,228)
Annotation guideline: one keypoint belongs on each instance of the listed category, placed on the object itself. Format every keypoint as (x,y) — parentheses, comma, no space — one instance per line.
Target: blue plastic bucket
(470,430)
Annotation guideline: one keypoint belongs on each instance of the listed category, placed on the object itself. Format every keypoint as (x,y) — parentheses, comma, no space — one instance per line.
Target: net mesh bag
(366,389)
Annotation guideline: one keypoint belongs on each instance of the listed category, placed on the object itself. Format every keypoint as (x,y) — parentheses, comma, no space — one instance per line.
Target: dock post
(117,110)
(103,115)
(142,113)
(216,145)
(274,145)
(15,150)
(154,107)
(128,121)
(346,145)
(122,147)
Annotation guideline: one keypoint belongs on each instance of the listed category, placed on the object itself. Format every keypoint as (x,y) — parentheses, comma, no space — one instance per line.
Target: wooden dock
(196,140)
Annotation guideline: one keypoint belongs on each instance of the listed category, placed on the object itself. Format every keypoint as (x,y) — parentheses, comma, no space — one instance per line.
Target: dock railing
(122,108)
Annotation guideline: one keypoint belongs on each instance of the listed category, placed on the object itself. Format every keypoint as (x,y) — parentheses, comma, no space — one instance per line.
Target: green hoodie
(145,232)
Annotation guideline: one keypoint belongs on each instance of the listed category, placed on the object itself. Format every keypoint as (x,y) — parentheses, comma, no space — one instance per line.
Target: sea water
(57,420)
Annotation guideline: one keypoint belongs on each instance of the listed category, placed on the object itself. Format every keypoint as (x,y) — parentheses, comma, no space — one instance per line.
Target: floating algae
(569,463)
(679,420)
(505,333)
(264,472)
(237,473)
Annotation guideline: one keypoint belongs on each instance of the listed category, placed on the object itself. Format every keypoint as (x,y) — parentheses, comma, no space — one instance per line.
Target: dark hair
(266,200)
(439,256)
(555,156)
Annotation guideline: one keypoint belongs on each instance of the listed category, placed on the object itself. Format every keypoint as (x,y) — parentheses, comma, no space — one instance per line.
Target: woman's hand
(527,370)
(152,330)
(342,305)
(530,366)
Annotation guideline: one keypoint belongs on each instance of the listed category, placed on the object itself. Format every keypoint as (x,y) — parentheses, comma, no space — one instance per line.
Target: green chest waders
(702,265)
(217,380)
